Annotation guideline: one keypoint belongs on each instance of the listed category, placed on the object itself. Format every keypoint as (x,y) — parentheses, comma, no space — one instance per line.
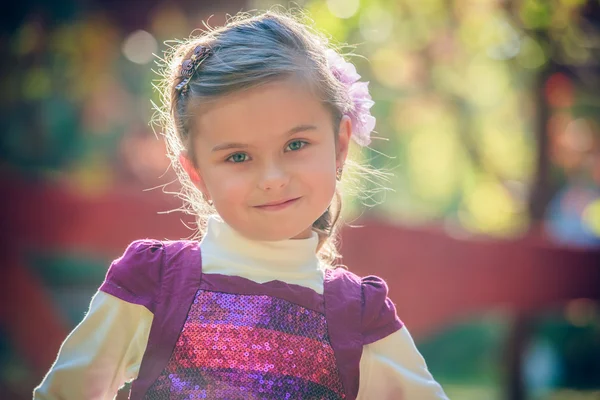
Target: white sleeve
(393,369)
(102,353)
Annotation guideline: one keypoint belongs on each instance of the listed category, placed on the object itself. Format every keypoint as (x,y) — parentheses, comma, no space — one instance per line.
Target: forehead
(261,112)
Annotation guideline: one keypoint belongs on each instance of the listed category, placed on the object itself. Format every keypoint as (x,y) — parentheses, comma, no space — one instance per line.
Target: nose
(273,177)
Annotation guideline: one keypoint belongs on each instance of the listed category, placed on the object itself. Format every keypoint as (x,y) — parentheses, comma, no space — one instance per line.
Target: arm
(393,368)
(102,353)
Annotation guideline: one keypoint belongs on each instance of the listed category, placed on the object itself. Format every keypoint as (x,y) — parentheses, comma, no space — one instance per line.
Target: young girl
(259,117)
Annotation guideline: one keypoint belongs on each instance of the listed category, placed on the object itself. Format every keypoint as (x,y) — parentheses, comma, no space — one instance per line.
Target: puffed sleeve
(391,367)
(135,276)
(379,317)
(106,349)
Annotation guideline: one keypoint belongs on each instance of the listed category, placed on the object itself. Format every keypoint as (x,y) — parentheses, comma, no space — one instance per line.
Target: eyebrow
(296,129)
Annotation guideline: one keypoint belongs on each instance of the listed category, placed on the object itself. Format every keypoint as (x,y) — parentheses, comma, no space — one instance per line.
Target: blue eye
(296,145)
(238,158)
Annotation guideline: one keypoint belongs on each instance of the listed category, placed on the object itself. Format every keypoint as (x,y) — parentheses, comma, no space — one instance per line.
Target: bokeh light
(591,217)
(531,54)
(488,81)
(376,24)
(489,208)
(343,8)
(139,47)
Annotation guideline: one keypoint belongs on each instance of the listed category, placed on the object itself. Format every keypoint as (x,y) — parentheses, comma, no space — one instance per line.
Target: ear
(343,141)
(193,173)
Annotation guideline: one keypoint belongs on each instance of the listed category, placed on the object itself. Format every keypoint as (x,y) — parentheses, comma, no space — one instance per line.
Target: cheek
(227,187)
(319,176)
(325,186)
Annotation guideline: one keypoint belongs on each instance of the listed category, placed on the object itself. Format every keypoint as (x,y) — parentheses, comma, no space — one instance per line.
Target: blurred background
(489,114)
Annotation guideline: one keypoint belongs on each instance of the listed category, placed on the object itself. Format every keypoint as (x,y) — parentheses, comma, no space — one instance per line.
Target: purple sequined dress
(222,337)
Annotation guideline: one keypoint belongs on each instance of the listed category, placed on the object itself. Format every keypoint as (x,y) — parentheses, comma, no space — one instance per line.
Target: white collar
(226,251)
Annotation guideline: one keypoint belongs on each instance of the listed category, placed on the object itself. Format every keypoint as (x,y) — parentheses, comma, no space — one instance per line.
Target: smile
(277,205)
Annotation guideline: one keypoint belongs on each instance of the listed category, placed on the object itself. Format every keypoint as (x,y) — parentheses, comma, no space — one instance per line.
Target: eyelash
(230,158)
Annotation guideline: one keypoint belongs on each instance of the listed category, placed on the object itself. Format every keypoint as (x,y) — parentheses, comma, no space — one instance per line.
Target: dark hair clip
(190,65)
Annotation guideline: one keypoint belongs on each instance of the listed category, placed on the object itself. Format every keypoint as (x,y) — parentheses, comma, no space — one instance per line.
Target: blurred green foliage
(459,90)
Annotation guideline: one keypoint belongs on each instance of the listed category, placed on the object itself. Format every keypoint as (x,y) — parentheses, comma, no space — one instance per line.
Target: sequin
(250,347)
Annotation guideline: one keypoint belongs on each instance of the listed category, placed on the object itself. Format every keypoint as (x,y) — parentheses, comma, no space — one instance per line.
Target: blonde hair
(247,52)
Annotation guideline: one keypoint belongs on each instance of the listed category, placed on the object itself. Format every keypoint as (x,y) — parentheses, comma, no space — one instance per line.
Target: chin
(281,225)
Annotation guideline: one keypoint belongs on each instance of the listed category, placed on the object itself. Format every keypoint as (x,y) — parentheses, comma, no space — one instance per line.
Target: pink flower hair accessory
(363,122)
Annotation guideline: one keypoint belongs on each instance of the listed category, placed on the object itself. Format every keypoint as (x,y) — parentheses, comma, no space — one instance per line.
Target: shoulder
(378,313)
(370,286)
(136,275)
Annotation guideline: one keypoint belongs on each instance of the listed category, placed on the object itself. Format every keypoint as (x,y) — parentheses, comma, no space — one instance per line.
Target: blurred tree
(462,91)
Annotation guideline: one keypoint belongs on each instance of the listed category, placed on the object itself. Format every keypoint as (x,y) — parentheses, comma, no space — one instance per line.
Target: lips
(278,204)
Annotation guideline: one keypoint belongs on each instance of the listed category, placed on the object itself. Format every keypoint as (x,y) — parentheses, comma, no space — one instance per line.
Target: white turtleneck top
(106,349)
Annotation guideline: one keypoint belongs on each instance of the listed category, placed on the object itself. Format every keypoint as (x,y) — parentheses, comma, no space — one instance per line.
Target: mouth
(277,205)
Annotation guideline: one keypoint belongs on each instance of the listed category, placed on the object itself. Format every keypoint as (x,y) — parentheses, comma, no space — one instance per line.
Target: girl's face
(267,158)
